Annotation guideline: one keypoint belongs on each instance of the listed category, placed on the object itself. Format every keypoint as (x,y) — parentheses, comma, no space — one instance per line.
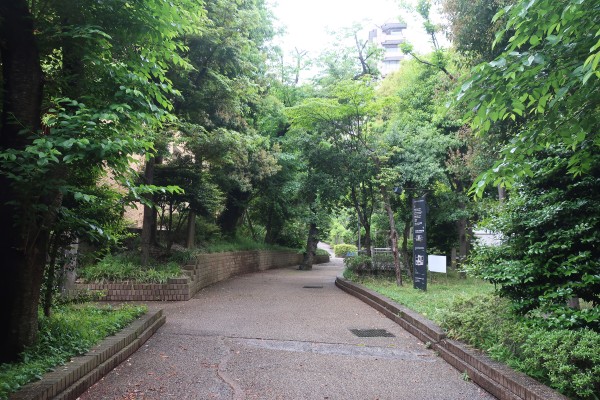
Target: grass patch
(436,301)
(70,331)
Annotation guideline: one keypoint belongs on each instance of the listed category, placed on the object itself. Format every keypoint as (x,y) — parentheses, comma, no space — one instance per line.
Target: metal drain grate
(371,333)
(312,287)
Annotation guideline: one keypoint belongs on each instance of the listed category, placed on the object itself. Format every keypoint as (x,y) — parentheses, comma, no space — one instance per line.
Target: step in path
(282,334)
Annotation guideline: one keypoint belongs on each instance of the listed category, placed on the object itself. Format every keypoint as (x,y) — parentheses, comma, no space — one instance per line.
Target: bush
(321,252)
(359,263)
(342,250)
(487,323)
(124,268)
(566,360)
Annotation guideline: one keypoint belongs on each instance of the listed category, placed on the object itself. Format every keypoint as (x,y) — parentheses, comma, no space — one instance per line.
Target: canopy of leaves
(547,80)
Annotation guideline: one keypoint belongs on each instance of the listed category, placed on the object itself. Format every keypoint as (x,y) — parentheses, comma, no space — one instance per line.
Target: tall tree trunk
(148,224)
(23,236)
(51,274)
(393,234)
(406,259)
(363,214)
(191,230)
(311,247)
(501,194)
(464,234)
(235,206)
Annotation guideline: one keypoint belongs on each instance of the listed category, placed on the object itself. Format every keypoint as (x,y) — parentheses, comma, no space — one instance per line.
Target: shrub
(342,250)
(358,263)
(123,268)
(322,252)
(487,323)
(566,360)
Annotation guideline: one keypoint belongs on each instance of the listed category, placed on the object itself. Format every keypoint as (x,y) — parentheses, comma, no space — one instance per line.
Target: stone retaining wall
(207,270)
(498,379)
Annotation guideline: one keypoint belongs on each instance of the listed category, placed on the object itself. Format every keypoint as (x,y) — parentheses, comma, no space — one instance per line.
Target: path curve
(281,334)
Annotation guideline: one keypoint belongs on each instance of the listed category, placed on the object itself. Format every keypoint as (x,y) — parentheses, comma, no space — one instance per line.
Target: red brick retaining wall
(207,270)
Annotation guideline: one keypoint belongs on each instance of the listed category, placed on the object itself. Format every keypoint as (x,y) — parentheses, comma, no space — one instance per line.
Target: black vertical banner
(419,208)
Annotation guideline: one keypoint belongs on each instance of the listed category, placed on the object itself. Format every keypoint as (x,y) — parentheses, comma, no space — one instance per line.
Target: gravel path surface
(281,334)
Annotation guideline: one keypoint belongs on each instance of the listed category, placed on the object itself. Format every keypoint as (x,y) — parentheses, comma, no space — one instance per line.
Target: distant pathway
(281,334)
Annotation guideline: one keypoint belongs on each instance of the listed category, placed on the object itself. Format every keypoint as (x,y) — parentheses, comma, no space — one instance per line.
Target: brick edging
(498,379)
(67,382)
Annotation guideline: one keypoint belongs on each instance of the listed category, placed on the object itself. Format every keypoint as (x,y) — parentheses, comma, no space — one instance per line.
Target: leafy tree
(546,81)
(549,254)
(222,96)
(341,123)
(547,77)
(104,68)
(431,154)
(472,28)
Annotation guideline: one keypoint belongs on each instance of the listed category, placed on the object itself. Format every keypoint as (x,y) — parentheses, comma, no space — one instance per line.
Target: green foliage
(486,322)
(239,244)
(69,331)
(341,250)
(122,268)
(567,360)
(546,80)
(550,250)
(434,303)
(358,264)
(472,27)
(321,252)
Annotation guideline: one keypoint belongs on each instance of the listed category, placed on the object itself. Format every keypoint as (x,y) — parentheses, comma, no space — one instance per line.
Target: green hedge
(341,250)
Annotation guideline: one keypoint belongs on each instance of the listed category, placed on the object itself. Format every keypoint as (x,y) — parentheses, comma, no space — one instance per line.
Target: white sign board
(437,263)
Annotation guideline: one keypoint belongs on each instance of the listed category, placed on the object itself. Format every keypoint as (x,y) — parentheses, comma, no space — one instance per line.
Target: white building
(388,37)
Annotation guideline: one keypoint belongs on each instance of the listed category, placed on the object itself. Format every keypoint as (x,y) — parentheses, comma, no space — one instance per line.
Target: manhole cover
(312,287)
(372,333)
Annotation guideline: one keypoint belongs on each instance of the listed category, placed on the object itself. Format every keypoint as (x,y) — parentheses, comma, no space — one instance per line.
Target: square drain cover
(312,287)
(372,333)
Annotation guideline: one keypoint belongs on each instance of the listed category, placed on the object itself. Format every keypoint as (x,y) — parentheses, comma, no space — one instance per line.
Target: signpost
(419,208)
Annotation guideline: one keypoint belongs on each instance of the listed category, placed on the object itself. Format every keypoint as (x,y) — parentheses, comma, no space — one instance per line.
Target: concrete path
(281,334)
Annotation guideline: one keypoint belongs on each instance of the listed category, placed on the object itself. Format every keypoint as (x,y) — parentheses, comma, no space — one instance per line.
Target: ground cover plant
(124,267)
(468,310)
(238,244)
(70,330)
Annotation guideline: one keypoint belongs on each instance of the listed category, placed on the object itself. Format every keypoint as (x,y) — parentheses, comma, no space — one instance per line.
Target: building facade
(388,37)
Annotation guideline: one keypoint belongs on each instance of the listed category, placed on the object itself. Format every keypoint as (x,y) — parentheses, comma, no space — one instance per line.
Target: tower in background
(388,37)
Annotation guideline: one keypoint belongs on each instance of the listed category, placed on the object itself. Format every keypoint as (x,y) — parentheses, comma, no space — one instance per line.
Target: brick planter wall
(68,381)
(207,270)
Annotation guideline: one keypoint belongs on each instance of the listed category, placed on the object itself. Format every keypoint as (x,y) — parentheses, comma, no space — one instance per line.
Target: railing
(382,259)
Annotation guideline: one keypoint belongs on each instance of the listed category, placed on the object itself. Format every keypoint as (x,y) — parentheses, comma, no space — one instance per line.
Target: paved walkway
(281,334)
